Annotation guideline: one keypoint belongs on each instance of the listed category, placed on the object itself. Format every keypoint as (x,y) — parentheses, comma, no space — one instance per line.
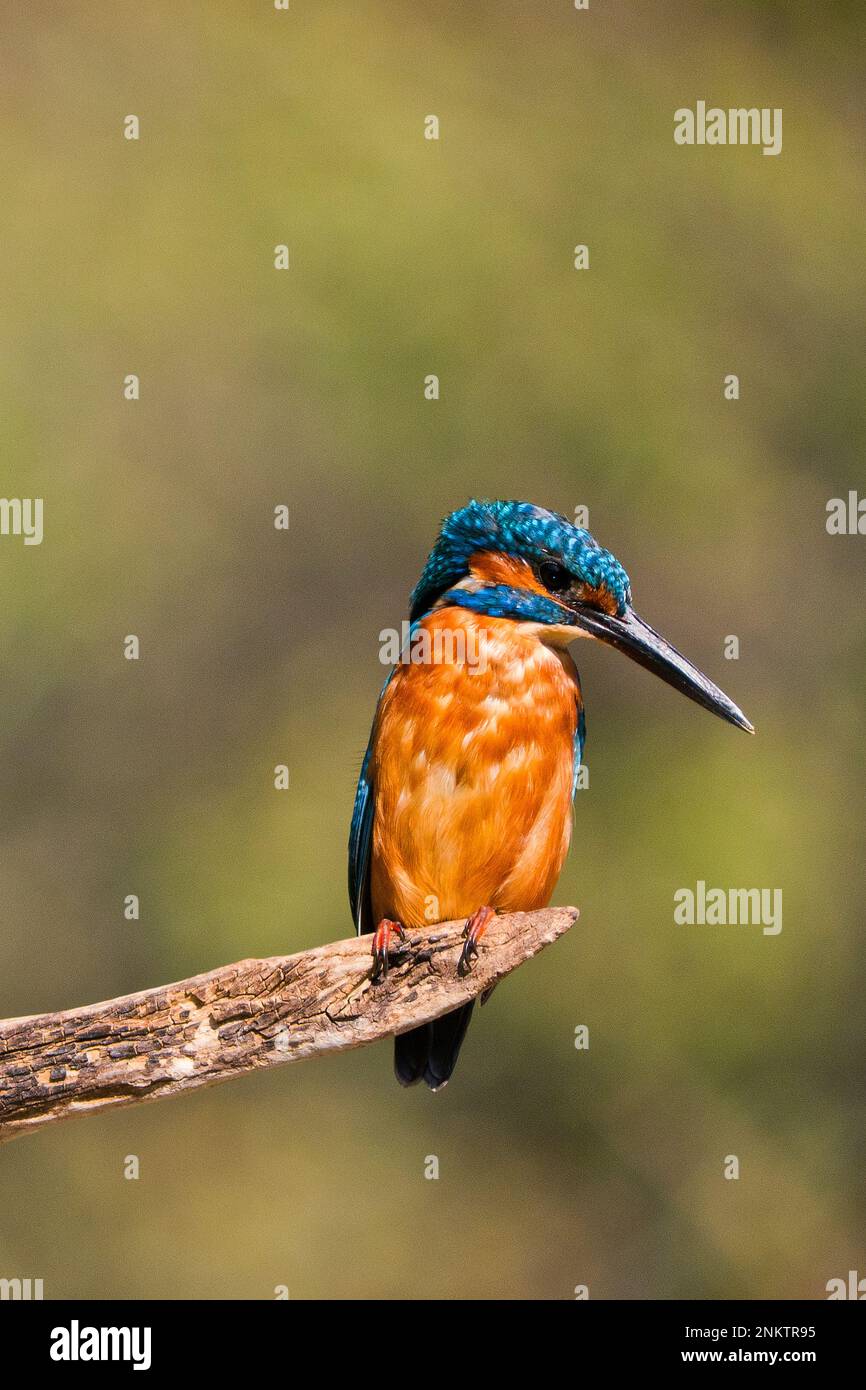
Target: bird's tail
(430,1053)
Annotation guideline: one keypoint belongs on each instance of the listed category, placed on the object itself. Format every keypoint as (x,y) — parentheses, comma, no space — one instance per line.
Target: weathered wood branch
(256,1013)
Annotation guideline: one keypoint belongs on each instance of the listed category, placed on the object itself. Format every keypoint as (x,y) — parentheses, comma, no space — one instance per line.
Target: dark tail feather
(431,1051)
(411,1051)
(448,1035)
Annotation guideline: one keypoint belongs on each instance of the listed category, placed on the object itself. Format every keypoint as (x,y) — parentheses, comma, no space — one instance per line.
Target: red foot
(383,945)
(473,932)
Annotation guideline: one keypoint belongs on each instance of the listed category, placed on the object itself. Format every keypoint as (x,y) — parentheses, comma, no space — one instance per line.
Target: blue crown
(523,530)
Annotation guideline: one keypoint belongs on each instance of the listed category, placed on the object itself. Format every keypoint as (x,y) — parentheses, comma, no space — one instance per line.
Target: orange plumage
(473,765)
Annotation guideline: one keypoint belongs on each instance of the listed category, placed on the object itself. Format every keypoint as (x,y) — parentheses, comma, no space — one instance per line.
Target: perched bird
(464,803)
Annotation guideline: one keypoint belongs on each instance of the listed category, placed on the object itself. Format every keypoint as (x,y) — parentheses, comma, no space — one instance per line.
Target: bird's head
(520,562)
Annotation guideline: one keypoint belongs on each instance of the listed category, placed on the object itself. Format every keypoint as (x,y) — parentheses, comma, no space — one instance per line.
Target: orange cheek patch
(598,598)
(494,568)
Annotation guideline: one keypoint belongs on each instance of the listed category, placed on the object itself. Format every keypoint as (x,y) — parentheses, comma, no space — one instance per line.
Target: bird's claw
(383,946)
(467,955)
(475,928)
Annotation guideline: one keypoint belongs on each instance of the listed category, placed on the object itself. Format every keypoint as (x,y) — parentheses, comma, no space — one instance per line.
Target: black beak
(630,634)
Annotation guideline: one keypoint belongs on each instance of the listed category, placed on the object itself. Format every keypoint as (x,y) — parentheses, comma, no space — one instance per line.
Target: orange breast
(472,773)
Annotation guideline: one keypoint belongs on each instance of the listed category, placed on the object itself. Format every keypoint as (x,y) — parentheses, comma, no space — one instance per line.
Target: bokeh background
(600,388)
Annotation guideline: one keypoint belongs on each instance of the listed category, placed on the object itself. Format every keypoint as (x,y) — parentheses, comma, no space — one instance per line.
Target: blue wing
(361,831)
(579,741)
(360,839)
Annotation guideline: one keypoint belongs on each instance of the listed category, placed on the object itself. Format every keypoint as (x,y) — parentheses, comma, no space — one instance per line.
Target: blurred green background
(600,388)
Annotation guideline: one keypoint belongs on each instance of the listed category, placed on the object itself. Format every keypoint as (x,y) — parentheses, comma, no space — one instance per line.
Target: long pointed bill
(630,634)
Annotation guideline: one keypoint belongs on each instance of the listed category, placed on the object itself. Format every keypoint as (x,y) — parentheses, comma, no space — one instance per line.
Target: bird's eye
(554,576)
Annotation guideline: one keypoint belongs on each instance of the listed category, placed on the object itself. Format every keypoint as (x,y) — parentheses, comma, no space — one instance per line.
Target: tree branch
(257,1013)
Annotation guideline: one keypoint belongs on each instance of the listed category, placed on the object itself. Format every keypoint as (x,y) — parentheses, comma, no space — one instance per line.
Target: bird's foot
(475,928)
(383,945)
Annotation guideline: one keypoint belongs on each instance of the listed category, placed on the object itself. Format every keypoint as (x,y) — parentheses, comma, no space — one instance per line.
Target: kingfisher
(465,797)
